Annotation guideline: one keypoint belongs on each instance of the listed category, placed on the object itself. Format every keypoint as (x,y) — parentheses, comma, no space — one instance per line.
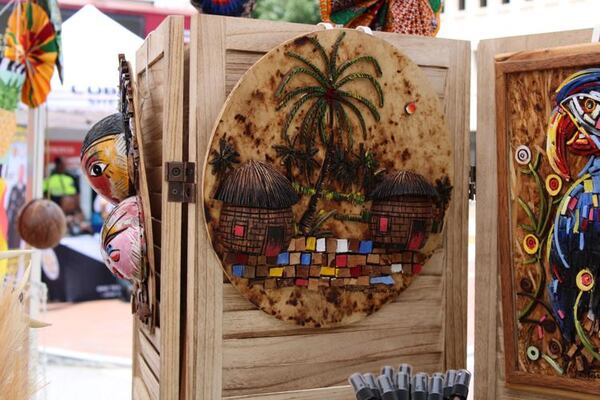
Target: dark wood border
(583,56)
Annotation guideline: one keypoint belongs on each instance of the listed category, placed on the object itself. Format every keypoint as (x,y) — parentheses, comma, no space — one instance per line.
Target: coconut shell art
(42,223)
(327,178)
(122,240)
(104,159)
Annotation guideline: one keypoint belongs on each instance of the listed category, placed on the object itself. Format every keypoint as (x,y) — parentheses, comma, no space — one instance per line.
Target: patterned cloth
(414,17)
(231,8)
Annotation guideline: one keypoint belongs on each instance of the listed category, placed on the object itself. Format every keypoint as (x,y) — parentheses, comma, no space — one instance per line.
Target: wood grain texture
(489,379)
(226,329)
(332,393)
(170,32)
(203,346)
(159,112)
(149,379)
(139,389)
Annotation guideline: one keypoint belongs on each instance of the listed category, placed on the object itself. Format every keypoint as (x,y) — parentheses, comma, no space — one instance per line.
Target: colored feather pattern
(575,245)
(574,253)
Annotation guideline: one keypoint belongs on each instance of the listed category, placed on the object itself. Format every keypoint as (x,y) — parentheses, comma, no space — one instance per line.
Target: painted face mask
(122,242)
(104,159)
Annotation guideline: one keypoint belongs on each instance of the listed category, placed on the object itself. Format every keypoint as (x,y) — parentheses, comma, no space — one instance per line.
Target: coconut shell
(42,223)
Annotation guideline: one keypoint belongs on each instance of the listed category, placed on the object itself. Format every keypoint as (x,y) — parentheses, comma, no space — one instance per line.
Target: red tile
(239,230)
(241,258)
(383,224)
(341,260)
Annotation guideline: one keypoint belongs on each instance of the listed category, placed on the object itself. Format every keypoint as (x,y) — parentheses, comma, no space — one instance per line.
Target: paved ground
(90,383)
(88,346)
(97,327)
(87,351)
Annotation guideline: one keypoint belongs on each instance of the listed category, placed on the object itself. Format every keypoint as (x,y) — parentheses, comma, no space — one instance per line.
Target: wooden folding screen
(212,343)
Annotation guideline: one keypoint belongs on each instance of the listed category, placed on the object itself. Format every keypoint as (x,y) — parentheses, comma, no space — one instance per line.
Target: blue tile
(386,280)
(305,259)
(283,258)
(238,270)
(596,180)
(365,247)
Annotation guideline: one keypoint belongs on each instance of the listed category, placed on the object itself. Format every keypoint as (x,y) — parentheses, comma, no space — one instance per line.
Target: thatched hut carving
(256,217)
(402,211)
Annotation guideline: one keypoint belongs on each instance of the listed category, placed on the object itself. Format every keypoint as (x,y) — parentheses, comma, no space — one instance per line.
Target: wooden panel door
(159,113)
(489,347)
(233,350)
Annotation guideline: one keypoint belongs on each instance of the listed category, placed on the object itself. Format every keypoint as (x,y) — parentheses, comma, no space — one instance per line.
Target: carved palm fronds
(222,161)
(327,103)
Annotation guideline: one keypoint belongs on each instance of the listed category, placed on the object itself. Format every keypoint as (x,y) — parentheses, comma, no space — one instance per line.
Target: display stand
(211,343)
(489,349)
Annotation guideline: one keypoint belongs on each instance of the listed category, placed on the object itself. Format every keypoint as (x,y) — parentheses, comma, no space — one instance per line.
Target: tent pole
(36,133)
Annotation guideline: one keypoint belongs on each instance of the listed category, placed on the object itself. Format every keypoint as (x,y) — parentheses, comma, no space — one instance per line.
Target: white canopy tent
(91,43)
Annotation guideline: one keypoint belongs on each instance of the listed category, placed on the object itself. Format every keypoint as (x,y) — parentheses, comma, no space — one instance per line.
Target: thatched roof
(259,185)
(403,183)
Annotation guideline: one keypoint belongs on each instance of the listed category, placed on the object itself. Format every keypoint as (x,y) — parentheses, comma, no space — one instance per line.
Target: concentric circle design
(523,155)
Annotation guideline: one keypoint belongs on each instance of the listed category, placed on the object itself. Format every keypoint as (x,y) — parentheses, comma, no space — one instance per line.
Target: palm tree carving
(328,104)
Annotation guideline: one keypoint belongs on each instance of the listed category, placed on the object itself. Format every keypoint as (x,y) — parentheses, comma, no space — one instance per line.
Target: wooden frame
(489,348)
(226,342)
(212,343)
(160,67)
(580,56)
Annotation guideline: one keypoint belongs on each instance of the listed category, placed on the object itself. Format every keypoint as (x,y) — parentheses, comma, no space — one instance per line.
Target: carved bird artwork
(573,243)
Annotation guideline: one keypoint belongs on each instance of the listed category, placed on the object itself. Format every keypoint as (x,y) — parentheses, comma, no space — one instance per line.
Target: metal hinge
(181,177)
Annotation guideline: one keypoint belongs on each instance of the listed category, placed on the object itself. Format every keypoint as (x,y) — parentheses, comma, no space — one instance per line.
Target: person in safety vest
(62,187)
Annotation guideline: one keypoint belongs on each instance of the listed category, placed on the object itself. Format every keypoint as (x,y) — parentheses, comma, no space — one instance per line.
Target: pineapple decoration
(12,78)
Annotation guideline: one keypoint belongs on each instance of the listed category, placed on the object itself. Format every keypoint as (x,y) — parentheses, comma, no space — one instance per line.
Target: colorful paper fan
(415,17)
(31,40)
(53,11)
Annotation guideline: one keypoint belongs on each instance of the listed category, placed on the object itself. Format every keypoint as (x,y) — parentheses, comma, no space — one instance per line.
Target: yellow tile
(576,227)
(595,200)
(278,272)
(588,186)
(563,210)
(311,243)
(327,271)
